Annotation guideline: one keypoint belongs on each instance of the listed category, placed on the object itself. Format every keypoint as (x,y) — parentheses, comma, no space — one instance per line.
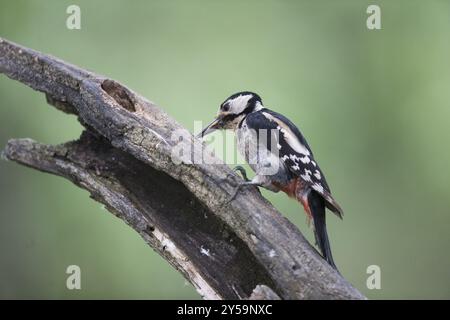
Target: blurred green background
(374,106)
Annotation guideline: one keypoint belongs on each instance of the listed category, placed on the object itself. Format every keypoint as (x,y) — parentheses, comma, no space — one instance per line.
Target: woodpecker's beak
(213,126)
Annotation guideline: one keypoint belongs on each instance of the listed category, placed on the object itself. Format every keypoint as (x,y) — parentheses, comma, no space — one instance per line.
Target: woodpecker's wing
(295,152)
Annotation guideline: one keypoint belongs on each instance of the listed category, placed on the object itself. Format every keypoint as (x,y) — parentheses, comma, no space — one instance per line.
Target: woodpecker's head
(233,110)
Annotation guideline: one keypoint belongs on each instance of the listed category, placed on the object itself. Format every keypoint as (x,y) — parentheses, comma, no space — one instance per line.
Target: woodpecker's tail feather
(317,207)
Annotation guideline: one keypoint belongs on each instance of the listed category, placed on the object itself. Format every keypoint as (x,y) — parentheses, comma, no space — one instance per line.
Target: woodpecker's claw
(239,186)
(236,190)
(242,172)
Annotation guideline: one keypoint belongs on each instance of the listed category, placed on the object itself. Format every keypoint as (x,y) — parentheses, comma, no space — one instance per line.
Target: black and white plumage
(281,158)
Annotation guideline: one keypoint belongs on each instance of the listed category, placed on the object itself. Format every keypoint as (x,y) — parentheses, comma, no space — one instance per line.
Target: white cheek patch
(238,104)
(258,106)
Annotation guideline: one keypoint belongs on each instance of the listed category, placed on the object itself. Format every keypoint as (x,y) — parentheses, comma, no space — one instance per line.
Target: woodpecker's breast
(246,142)
(253,146)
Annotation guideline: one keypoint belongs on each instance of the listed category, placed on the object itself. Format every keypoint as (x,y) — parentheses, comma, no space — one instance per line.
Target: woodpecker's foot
(242,172)
(239,186)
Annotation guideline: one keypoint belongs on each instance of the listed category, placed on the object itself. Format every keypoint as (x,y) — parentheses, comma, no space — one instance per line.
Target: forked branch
(124,158)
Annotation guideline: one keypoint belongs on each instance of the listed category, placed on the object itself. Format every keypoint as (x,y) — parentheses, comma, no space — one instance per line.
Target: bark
(128,159)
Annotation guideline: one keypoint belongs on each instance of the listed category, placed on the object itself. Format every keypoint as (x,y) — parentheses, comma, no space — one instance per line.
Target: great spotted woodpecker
(281,158)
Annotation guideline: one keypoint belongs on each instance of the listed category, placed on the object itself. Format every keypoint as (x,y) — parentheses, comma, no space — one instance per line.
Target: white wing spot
(318,187)
(306,177)
(317,174)
(305,159)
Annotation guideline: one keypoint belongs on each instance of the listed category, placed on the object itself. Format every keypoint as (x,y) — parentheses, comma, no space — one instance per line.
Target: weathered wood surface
(125,159)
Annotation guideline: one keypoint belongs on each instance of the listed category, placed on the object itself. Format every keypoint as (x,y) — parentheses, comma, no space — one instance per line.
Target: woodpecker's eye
(226,107)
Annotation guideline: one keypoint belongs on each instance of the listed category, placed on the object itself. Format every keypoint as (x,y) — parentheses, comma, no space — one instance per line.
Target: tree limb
(126,160)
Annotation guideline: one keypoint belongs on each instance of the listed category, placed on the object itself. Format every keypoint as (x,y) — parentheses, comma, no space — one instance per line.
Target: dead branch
(125,160)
